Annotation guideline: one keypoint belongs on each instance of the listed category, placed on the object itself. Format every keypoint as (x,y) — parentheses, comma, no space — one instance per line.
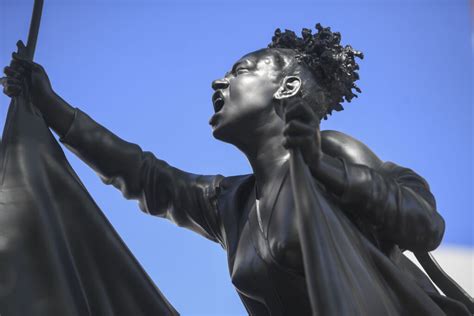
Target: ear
(290,86)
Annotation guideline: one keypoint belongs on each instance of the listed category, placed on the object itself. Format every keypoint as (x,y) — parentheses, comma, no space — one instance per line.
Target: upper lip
(218,100)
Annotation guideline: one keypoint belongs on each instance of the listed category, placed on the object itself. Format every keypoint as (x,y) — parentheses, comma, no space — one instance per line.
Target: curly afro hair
(331,64)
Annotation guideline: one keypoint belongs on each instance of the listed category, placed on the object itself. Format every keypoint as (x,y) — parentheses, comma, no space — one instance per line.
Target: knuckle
(15,65)
(293,126)
(289,137)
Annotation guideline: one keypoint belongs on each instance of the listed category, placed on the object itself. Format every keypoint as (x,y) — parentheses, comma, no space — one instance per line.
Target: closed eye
(241,67)
(241,70)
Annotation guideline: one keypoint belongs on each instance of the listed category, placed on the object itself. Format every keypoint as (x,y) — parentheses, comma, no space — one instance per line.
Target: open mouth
(218,101)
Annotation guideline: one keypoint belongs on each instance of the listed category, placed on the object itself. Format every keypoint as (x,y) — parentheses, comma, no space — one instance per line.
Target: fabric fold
(59,255)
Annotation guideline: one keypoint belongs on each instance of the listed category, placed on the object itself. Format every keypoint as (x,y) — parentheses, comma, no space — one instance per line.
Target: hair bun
(332,64)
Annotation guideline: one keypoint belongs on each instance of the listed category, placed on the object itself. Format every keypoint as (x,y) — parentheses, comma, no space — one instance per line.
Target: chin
(223,132)
(218,133)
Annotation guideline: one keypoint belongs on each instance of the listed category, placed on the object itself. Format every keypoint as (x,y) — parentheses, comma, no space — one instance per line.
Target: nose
(220,84)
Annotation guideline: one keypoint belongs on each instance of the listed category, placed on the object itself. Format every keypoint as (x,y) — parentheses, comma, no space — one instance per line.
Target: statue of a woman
(270,101)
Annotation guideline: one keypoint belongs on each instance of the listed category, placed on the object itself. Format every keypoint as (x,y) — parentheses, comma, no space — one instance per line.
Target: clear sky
(143,69)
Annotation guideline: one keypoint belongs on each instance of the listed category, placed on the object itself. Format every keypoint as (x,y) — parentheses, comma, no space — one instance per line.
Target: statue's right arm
(186,199)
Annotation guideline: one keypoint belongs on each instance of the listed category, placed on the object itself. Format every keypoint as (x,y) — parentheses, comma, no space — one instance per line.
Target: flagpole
(34,28)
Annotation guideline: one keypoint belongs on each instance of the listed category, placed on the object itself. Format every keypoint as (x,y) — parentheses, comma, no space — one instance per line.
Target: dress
(265,265)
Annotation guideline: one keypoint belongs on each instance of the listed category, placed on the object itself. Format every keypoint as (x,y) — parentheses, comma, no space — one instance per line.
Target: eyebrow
(237,64)
(240,62)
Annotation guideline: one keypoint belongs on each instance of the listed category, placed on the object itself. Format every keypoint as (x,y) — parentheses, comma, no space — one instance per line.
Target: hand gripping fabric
(58,253)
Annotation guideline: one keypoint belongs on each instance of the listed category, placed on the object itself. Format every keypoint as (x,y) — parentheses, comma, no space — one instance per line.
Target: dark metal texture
(324,241)
(34,28)
(443,280)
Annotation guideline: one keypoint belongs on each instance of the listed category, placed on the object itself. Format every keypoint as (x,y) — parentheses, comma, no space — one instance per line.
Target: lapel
(232,204)
(270,201)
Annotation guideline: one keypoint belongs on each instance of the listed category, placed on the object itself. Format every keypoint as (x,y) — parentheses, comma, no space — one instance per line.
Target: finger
(11,72)
(302,112)
(23,60)
(7,81)
(296,142)
(21,48)
(20,58)
(297,128)
(17,66)
(12,91)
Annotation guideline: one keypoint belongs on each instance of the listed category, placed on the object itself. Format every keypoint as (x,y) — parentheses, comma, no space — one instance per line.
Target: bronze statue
(59,255)
(364,212)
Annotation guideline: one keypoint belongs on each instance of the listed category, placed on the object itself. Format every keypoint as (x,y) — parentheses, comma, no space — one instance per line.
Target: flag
(58,253)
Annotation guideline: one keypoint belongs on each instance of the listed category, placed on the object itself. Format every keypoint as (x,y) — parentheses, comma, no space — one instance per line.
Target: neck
(265,152)
(265,165)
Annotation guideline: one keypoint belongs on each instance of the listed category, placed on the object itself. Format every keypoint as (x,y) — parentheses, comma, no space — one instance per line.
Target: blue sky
(143,69)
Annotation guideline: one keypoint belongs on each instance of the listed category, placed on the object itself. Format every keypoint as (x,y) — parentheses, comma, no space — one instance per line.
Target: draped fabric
(341,277)
(58,253)
(347,270)
(345,273)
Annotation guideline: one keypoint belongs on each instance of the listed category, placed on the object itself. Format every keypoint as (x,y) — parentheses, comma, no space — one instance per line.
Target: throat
(265,203)
(267,173)
(265,152)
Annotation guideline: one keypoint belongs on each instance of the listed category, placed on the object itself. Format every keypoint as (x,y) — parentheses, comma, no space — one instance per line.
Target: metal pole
(34,28)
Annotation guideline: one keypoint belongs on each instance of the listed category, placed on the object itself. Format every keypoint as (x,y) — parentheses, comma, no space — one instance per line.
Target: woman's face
(243,98)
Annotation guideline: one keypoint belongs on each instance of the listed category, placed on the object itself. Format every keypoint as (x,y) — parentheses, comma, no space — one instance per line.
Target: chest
(268,238)
(267,264)
(276,236)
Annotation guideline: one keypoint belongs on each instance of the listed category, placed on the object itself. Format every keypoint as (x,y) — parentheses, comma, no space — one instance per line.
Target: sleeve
(187,199)
(397,201)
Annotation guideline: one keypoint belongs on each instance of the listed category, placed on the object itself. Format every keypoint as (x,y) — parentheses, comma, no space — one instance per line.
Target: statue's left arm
(396,200)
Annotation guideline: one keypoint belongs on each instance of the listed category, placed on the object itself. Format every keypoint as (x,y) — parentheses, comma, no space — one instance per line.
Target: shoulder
(235,185)
(338,144)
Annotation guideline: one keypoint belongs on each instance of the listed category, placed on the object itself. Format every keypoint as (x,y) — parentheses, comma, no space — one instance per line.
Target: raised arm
(162,190)
(186,199)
